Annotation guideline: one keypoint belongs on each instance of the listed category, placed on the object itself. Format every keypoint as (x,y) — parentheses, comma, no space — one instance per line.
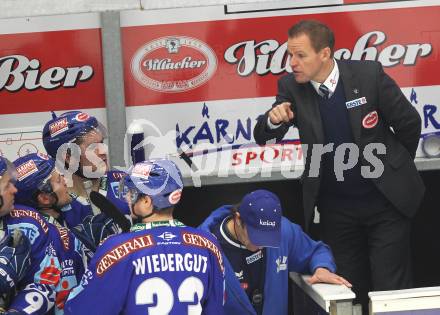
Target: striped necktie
(324,91)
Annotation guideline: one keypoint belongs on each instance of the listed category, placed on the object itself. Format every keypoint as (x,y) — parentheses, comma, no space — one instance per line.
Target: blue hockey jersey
(158,268)
(56,262)
(109,187)
(74,213)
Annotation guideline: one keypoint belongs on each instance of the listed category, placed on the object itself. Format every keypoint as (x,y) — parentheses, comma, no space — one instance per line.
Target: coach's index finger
(288,108)
(281,113)
(285,111)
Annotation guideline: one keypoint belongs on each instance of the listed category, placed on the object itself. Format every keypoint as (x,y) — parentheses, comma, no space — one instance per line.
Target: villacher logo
(173,64)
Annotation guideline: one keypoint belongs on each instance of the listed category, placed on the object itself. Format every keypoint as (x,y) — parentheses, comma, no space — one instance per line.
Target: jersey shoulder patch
(116,248)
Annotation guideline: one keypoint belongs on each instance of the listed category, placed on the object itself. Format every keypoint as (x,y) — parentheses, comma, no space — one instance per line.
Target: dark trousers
(371,249)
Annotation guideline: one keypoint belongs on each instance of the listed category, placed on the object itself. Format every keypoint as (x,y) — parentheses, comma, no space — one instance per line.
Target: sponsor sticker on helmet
(370,120)
(141,170)
(58,127)
(174,197)
(173,64)
(82,117)
(26,169)
(43,156)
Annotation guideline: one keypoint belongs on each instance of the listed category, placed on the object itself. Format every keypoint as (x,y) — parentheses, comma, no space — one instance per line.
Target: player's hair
(234,211)
(165,211)
(234,208)
(320,35)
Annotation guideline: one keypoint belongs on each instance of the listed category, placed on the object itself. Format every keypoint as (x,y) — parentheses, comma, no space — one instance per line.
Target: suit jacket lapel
(352,91)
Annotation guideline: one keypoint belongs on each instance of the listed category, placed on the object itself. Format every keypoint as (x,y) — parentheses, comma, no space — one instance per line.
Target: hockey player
(42,187)
(14,249)
(89,163)
(30,271)
(162,266)
(45,190)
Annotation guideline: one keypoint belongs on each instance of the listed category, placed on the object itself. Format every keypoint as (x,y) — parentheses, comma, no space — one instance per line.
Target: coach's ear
(325,53)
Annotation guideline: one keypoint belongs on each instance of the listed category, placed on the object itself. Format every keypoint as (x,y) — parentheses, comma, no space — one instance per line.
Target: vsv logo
(281,262)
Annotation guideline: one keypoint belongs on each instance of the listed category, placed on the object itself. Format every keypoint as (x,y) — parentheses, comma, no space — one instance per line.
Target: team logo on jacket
(173,64)
(370,120)
(281,262)
(357,102)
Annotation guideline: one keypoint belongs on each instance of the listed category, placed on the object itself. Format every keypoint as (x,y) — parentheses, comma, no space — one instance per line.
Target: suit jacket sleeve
(398,112)
(262,133)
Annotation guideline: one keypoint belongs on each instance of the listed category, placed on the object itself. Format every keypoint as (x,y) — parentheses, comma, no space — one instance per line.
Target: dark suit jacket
(400,182)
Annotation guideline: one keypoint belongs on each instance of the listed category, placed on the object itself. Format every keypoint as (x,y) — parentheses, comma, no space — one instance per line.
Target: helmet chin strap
(53,206)
(140,217)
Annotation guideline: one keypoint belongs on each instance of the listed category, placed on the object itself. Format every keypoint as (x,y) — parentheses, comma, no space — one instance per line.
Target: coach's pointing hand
(281,113)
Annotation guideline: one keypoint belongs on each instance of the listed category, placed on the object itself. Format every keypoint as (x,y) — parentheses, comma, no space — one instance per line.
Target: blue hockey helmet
(6,167)
(33,173)
(67,127)
(160,179)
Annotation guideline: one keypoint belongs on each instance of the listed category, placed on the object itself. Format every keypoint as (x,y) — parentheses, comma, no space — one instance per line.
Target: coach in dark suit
(365,217)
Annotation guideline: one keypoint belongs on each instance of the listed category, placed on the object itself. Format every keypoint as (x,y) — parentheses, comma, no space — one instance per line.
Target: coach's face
(308,64)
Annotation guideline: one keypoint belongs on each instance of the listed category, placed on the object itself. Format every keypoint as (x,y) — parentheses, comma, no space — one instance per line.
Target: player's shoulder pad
(199,238)
(29,221)
(201,232)
(26,214)
(117,247)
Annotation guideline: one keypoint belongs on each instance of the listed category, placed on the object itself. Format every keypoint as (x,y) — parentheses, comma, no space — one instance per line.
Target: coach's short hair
(320,35)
